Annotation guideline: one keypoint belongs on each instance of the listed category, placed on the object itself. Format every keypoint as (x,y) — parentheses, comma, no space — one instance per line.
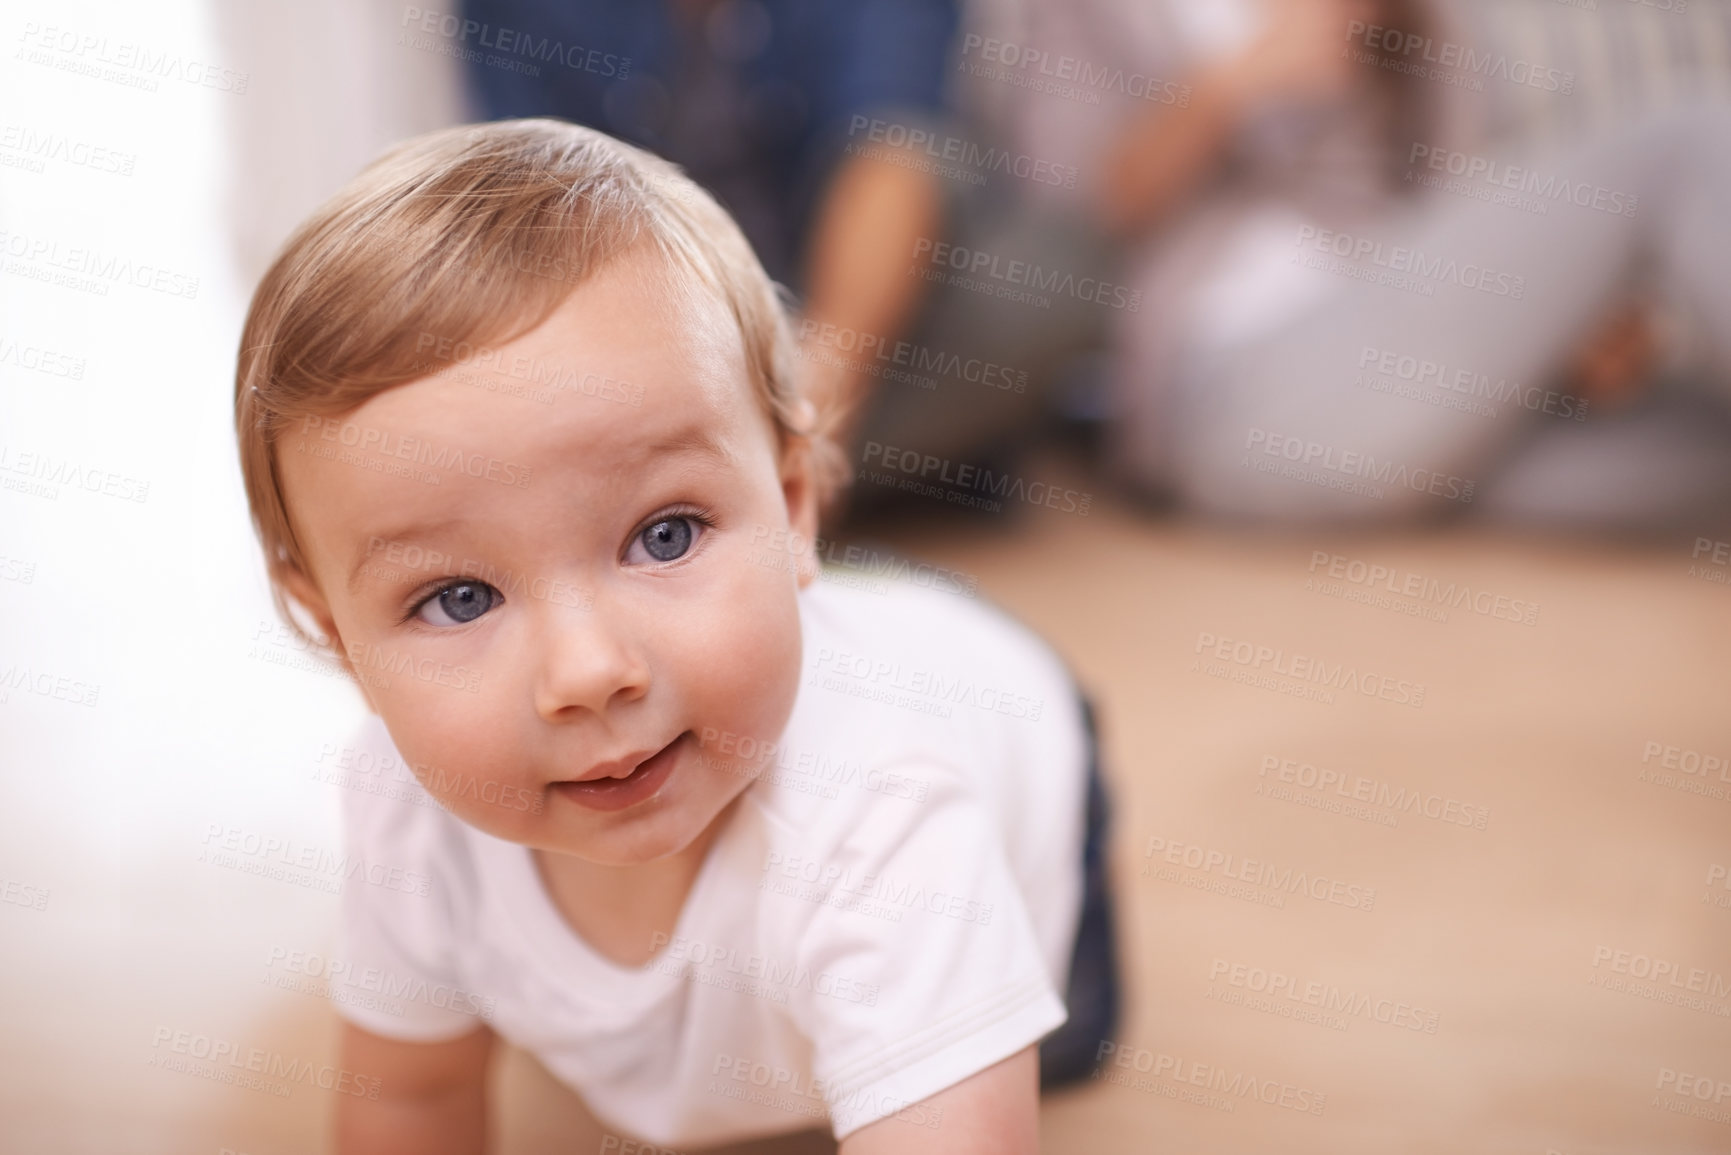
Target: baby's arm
(432,1096)
(996,1112)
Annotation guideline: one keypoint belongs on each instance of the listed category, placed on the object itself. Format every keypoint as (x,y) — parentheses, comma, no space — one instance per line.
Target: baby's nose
(586,661)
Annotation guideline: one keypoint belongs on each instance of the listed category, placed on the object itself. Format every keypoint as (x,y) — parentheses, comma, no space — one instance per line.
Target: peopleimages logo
(1255,872)
(972,156)
(168,1043)
(398,561)
(343,981)
(88,269)
(824,880)
(1401,260)
(1658,970)
(35,148)
(543,377)
(1067,76)
(927,690)
(796,1092)
(377,447)
(41,474)
(1369,580)
(753,973)
(1310,669)
(1026,275)
(39,360)
(1350,463)
(1327,997)
(1470,383)
(1526,181)
(962,476)
(512,42)
(287,860)
(1372,792)
(1453,61)
(44,683)
(125,62)
(911,356)
(1231,1086)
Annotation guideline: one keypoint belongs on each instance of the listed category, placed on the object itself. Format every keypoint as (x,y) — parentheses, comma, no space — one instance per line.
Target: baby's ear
(799,485)
(799,491)
(305,594)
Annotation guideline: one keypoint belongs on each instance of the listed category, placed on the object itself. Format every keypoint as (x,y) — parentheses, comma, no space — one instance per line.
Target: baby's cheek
(461,760)
(756,675)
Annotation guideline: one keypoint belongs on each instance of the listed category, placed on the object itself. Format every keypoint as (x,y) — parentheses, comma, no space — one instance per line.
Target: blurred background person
(770,105)
(1311,141)
(1304,127)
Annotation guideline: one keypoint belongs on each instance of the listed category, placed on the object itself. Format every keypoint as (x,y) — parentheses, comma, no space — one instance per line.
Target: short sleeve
(396,972)
(924,965)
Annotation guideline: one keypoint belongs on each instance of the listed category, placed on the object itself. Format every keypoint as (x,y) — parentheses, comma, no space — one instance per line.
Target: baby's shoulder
(949,644)
(926,622)
(915,705)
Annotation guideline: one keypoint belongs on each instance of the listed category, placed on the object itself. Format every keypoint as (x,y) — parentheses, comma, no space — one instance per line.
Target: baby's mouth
(642,783)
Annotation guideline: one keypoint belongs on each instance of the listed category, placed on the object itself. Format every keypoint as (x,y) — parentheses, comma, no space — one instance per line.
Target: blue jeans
(1092,996)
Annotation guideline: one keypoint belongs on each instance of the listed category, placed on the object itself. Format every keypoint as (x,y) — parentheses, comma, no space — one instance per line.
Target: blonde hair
(476,234)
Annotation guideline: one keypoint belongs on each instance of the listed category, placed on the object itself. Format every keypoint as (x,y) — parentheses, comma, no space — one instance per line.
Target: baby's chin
(641,841)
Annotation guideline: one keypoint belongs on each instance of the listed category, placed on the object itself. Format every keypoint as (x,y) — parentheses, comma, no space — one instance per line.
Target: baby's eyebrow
(692,439)
(396,535)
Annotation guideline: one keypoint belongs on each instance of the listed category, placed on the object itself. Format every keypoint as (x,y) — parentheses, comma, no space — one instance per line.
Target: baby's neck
(623,912)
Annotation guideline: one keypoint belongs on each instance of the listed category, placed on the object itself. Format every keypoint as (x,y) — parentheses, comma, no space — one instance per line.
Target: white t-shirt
(891,910)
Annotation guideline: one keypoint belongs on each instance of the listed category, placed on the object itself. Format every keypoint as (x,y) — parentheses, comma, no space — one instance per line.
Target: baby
(733,851)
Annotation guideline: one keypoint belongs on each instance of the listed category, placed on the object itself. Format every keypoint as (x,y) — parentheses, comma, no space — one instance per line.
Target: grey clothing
(1315,422)
(1259,376)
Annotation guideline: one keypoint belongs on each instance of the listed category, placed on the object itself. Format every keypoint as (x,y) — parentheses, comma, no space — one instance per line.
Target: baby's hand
(1619,359)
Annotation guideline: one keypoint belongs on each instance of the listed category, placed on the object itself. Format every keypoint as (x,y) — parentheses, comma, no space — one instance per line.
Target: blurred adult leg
(974,381)
(1286,428)
(1659,469)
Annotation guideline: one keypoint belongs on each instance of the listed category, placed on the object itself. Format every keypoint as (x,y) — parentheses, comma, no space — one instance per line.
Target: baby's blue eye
(667,539)
(459,604)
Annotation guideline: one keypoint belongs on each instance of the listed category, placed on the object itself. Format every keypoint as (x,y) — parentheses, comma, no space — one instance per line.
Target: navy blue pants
(1092,997)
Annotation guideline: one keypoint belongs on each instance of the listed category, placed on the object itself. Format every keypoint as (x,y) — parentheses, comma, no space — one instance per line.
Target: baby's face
(547,652)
